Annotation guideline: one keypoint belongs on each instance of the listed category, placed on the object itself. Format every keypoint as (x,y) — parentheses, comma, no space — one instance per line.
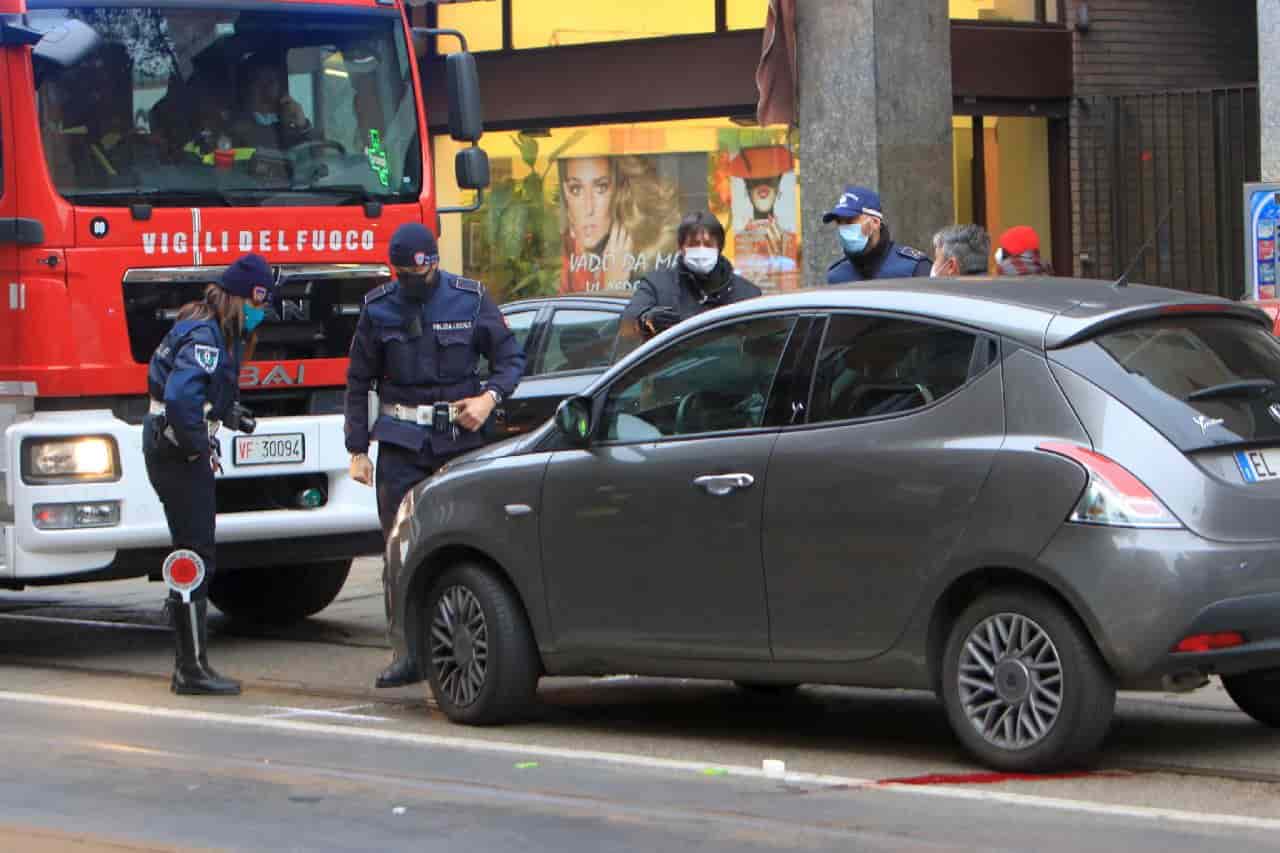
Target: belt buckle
(422,415)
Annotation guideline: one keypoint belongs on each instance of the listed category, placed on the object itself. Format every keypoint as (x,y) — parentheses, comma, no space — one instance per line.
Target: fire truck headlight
(80,459)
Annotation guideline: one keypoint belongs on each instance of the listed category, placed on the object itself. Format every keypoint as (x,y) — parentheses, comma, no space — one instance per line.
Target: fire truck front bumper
(83,508)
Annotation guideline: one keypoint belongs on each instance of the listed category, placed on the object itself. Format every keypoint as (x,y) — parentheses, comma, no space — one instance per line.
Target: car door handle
(720,485)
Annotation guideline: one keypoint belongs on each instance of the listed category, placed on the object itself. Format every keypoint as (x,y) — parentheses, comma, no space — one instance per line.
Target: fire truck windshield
(185,105)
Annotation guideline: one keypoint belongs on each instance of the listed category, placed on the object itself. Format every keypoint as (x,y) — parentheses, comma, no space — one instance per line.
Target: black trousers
(186,491)
(399,470)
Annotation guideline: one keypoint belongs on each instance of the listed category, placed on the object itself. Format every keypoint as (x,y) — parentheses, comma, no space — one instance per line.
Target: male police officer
(869,250)
(419,340)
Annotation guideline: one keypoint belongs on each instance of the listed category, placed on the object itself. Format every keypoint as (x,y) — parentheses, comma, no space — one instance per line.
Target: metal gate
(1180,156)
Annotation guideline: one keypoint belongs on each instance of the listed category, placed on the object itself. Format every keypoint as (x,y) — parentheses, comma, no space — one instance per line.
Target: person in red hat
(764,250)
(1019,253)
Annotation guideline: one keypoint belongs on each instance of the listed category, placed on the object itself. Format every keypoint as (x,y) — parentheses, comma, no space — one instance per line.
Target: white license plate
(1259,466)
(281,449)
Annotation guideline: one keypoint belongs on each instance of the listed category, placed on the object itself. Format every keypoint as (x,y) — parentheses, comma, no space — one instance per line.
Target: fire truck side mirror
(466,115)
(471,166)
(64,46)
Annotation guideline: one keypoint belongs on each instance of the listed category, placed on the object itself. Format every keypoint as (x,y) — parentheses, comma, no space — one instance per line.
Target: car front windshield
(197,105)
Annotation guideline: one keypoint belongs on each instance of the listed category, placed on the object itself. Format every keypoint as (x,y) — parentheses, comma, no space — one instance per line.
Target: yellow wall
(480,22)
(544,23)
(1000,10)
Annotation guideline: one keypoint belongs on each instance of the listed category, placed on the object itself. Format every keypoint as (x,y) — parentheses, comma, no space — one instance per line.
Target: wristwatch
(496,394)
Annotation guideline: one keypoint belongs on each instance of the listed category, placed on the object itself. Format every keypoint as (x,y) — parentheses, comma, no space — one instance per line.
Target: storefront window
(552,23)
(596,208)
(480,22)
(1004,11)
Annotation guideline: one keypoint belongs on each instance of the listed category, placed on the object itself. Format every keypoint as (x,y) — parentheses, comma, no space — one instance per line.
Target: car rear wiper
(1242,388)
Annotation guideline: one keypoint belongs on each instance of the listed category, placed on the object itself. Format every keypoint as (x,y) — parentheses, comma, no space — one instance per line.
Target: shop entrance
(1003,176)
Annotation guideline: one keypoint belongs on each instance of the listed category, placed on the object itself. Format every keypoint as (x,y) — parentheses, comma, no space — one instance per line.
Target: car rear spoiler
(1072,326)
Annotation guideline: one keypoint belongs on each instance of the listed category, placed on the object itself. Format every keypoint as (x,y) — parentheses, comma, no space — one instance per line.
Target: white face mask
(701,259)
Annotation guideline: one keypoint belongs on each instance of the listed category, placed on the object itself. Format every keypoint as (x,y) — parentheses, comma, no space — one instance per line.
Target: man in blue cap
(869,250)
(419,340)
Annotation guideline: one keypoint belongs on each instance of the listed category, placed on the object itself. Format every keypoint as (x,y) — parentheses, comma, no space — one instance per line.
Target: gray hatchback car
(1020,494)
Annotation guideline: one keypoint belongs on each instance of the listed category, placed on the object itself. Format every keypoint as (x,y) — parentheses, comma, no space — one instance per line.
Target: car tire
(278,595)
(764,688)
(1256,693)
(483,668)
(1003,711)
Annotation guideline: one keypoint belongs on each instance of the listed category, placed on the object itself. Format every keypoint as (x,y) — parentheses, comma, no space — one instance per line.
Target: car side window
(714,381)
(579,339)
(875,366)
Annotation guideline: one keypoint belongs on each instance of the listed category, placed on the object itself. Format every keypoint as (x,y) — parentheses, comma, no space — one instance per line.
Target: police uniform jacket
(421,353)
(887,260)
(193,368)
(678,288)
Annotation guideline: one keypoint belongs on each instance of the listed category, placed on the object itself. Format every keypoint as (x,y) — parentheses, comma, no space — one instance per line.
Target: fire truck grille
(321,306)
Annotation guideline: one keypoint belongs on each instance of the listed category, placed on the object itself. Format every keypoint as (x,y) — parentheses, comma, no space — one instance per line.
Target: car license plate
(280,449)
(1259,466)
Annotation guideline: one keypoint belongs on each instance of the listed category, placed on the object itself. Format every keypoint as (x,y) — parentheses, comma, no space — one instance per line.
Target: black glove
(658,319)
(240,419)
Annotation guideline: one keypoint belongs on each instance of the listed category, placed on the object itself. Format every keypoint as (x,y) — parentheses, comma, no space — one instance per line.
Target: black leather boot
(191,672)
(397,675)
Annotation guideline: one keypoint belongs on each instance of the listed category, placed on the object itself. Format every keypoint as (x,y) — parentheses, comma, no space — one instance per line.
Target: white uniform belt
(420,415)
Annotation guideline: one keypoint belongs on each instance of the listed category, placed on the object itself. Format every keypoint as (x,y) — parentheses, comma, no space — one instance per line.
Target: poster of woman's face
(619,215)
(766,242)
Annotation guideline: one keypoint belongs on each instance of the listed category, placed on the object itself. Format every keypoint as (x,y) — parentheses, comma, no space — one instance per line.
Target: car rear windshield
(1201,381)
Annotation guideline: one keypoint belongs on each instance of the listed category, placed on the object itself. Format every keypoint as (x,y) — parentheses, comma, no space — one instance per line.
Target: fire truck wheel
(277,595)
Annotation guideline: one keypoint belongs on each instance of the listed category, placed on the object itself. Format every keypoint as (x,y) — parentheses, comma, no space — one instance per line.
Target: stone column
(1269,86)
(875,110)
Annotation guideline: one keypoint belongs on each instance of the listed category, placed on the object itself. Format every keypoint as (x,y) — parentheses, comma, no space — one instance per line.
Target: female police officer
(193,382)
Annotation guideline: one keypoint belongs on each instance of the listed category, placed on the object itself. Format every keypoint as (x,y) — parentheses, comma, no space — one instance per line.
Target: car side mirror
(573,419)
(471,168)
(466,114)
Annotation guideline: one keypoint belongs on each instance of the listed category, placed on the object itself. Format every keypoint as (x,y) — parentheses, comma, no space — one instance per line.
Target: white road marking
(528,751)
(330,713)
(96,623)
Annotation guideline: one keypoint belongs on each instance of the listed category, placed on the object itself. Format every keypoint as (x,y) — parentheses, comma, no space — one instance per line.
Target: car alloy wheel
(1011,681)
(460,645)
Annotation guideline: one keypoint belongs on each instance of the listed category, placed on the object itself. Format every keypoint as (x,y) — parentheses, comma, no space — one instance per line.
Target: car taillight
(1113,496)
(1209,642)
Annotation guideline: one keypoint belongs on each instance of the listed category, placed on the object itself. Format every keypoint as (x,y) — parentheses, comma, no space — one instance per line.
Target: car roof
(1040,312)
(610,297)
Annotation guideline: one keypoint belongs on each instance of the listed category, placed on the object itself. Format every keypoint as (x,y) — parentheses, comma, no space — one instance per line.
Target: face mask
(853,240)
(266,119)
(417,286)
(701,260)
(935,271)
(252,318)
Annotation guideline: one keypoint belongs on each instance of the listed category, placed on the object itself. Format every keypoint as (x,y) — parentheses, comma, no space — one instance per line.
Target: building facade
(1087,120)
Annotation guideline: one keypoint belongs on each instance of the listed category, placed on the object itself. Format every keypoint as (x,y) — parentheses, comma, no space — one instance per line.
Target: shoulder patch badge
(466,284)
(207,357)
(913,254)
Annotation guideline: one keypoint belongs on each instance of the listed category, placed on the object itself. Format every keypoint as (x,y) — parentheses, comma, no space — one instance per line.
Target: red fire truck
(143,146)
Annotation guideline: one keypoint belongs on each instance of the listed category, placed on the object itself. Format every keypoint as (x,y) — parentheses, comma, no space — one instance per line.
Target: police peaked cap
(250,276)
(853,201)
(413,245)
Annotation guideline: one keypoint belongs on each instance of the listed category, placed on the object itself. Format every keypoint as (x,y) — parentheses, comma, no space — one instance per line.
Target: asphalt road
(98,755)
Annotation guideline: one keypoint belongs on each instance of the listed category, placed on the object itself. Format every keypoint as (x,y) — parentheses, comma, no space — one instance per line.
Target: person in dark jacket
(701,279)
(869,250)
(419,340)
(193,380)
